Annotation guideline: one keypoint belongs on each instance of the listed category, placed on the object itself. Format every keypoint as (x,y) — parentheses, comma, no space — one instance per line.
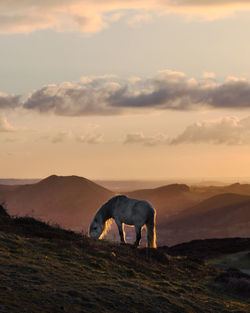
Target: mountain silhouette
(221,216)
(169,199)
(70,201)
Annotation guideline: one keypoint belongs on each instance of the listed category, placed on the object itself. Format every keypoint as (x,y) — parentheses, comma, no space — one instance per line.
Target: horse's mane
(114,199)
(111,202)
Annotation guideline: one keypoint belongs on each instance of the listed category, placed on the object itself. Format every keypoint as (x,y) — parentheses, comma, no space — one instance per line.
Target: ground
(46,269)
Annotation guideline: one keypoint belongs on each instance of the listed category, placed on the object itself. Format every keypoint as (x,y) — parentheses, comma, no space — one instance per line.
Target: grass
(47,269)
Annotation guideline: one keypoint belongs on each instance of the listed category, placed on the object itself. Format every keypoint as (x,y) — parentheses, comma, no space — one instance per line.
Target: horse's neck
(105,212)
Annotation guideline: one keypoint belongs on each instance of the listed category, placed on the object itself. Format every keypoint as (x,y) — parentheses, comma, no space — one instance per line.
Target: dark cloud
(174,92)
(167,90)
(232,94)
(9,101)
(108,95)
(73,100)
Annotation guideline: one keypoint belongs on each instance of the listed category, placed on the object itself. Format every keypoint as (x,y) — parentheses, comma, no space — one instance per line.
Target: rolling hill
(209,191)
(44,269)
(168,200)
(221,216)
(183,213)
(70,201)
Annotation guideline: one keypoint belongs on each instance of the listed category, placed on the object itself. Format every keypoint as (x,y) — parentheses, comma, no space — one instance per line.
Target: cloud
(61,136)
(109,95)
(87,98)
(9,101)
(173,91)
(138,19)
(227,130)
(208,75)
(5,126)
(92,16)
(91,136)
(134,79)
(224,131)
(138,137)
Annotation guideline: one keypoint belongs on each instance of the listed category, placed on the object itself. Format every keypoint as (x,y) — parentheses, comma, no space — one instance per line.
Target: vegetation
(48,269)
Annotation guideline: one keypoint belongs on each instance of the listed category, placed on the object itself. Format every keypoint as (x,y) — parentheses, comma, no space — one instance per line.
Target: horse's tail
(151,234)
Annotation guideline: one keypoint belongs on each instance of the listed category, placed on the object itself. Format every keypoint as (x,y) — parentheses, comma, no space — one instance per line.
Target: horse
(125,210)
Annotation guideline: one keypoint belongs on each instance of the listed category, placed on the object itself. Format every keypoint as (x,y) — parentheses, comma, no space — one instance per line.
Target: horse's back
(133,211)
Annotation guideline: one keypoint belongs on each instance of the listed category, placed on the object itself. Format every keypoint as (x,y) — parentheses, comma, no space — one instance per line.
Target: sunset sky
(125,89)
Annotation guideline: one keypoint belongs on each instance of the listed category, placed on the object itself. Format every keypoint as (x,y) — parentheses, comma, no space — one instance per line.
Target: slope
(169,199)
(71,273)
(69,201)
(225,215)
(209,191)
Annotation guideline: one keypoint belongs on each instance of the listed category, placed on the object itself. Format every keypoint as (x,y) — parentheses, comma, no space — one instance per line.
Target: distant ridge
(221,216)
(173,188)
(18,181)
(183,213)
(168,199)
(217,202)
(236,188)
(70,201)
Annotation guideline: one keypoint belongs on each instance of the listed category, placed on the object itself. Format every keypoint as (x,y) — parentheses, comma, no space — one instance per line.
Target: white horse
(128,211)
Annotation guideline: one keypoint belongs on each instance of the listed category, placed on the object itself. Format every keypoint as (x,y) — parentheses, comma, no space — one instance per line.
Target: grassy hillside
(45,269)
(183,213)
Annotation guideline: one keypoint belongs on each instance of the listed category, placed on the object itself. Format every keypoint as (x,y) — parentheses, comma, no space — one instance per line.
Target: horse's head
(96,228)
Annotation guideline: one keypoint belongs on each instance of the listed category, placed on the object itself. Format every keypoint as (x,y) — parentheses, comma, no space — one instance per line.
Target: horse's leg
(151,234)
(138,235)
(121,231)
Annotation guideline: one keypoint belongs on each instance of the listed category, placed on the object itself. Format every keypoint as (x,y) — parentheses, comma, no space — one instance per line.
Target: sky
(125,89)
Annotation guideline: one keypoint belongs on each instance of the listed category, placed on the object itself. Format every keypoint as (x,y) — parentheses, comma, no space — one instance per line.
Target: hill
(18,181)
(209,191)
(225,215)
(183,213)
(70,201)
(61,271)
(169,199)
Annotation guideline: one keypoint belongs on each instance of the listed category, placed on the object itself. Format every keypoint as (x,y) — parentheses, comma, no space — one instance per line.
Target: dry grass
(45,269)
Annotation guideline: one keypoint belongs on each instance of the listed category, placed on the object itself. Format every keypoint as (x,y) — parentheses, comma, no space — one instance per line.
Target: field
(48,269)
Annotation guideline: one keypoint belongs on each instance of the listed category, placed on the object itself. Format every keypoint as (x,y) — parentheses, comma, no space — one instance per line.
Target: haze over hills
(237,188)
(18,181)
(224,215)
(69,201)
(169,200)
(183,213)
